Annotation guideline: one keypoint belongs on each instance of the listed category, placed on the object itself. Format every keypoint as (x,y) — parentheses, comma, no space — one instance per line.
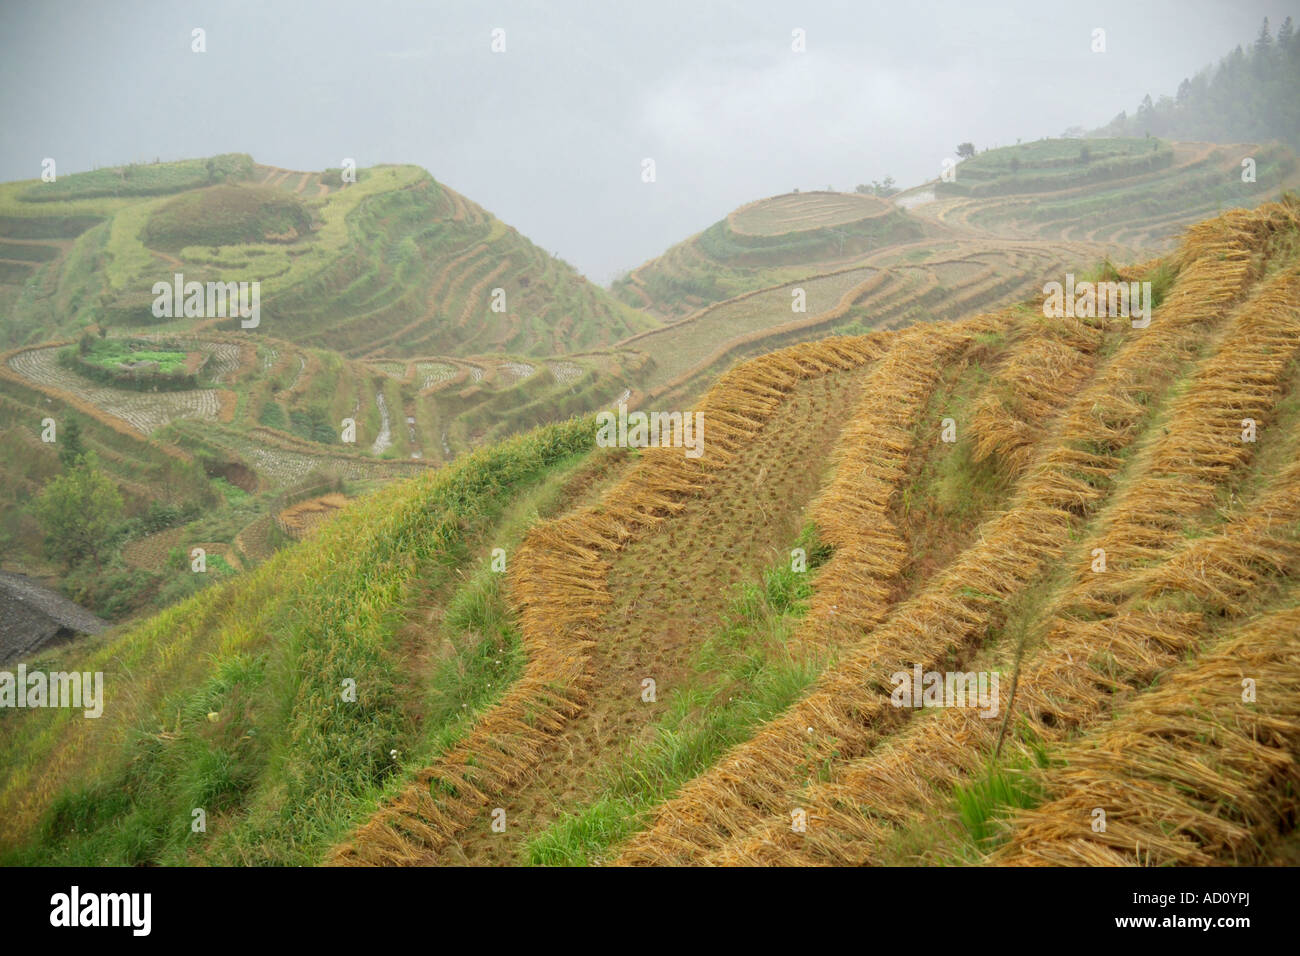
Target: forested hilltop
(1251,96)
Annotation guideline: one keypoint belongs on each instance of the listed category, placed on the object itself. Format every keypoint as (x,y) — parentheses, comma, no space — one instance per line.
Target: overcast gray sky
(550,134)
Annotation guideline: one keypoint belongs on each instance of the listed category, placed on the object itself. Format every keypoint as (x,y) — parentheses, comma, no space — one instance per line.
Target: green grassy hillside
(239,704)
(393,264)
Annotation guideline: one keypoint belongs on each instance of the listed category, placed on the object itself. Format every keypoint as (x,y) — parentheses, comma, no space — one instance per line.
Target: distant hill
(762,244)
(401,325)
(806,265)
(1138,192)
(393,264)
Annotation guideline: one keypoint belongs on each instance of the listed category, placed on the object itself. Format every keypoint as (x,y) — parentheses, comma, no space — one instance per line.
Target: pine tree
(71,447)
(1249,96)
(1262,55)
(1264,42)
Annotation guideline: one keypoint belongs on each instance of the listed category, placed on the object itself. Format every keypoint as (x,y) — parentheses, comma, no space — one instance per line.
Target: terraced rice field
(282,467)
(901,284)
(145,412)
(914,198)
(1122,685)
(1143,211)
(565,372)
(515,371)
(979,253)
(433,373)
(150,552)
(680,346)
(796,212)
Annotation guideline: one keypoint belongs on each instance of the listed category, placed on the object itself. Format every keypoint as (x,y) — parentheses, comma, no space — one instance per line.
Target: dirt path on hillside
(671,588)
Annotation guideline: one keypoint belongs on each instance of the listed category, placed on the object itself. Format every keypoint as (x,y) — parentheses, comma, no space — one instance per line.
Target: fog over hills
(550,134)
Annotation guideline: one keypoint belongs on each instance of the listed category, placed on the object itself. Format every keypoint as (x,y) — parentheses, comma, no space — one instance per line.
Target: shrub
(77,511)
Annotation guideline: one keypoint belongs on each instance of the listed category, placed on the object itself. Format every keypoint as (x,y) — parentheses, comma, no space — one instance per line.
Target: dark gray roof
(32,616)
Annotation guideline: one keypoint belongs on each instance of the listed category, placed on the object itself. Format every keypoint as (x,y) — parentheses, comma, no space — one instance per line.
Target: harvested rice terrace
(798,212)
(978,554)
(723,536)
(948,462)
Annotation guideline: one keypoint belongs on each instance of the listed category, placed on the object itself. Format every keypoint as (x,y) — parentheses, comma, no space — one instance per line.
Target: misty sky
(550,135)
